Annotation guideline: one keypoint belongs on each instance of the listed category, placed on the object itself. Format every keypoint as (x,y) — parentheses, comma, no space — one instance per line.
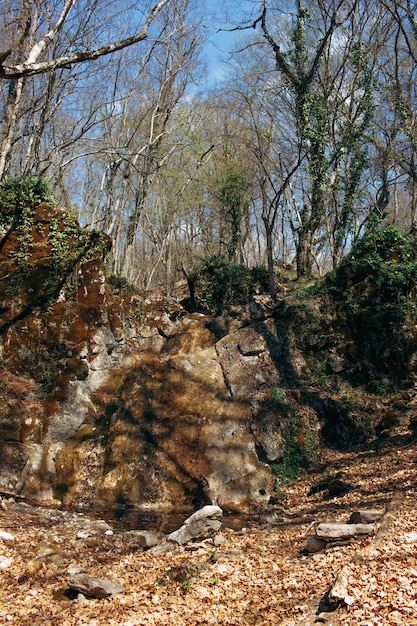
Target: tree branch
(30,67)
(280,61)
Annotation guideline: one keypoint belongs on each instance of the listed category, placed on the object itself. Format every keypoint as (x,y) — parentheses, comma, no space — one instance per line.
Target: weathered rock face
(106,400)
(177,436)
(60,343)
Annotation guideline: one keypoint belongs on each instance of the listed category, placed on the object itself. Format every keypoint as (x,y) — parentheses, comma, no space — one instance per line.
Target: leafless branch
(31,66)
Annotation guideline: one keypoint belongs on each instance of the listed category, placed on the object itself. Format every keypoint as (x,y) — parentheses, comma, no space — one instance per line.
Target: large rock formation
(108,400)
(174,434)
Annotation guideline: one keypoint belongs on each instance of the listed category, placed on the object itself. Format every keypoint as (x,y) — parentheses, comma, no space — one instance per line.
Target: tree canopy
(309,134)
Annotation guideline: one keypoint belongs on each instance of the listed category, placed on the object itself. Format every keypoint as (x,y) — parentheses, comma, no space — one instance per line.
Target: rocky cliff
(115,400)
(110,399)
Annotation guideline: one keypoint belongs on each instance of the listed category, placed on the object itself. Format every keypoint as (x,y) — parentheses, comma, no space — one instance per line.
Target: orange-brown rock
(110,400)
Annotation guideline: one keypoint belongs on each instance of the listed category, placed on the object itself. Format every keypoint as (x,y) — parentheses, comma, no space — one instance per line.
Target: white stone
(335,532)
(202,524)
(5,562)
(5,536)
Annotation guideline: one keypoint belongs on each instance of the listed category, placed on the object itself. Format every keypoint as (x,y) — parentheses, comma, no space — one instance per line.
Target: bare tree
(40,39)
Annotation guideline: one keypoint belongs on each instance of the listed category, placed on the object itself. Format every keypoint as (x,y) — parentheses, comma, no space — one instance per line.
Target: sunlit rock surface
(109,401)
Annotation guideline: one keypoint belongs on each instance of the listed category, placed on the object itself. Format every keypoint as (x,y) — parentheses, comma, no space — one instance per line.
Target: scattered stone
(82,534)
(94,587)
(341,532)
(219,540)
(144,539)
(410,537)
(338,594)
(5,562)
(162,548)
(314,544)
(81,599)
(200,548)
(366,517)
(224,570)
(201,525)
(47,550)
(100,525)
(5,536)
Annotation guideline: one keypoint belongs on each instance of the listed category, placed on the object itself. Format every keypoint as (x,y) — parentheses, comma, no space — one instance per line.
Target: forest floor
(259,575)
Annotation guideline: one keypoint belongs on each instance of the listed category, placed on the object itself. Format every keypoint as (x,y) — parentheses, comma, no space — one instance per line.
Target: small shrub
(382,386)
(301,444)
(278,395)
(217,285)
(383,263)
(259,278)
(19,193)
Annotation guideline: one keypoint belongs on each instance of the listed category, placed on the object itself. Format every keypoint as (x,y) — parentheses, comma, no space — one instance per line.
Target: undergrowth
(301,442)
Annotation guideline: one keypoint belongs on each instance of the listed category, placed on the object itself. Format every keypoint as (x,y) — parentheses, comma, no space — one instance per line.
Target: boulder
(200,525)
(94,587)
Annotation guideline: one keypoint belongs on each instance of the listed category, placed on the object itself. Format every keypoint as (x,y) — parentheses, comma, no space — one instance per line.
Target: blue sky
(221,42)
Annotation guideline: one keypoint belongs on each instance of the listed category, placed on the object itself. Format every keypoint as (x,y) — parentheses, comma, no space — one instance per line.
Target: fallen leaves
(255,578)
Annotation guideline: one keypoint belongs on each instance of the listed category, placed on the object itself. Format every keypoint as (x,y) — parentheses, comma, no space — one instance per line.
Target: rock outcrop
(177,433)
(112,400)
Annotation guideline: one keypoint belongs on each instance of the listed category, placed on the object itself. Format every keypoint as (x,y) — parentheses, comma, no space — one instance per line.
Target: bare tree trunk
(9,124)
(304,257)
(270,261)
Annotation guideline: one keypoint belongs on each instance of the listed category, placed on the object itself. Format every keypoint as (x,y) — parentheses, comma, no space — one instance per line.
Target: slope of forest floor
(259,575)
